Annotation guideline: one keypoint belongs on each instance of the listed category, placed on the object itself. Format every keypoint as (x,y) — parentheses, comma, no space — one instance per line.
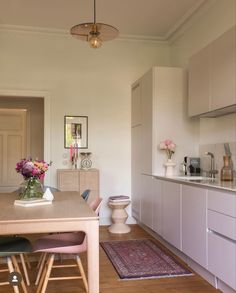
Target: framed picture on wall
(76,131)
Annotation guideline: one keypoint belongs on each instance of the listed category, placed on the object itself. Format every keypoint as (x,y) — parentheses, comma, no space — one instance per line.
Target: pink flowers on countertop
(32,168)
(169,146)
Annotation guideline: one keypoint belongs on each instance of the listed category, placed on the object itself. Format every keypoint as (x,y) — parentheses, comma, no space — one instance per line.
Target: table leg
(93,256)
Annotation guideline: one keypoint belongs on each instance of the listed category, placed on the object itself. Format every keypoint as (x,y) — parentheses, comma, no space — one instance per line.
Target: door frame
(17,93)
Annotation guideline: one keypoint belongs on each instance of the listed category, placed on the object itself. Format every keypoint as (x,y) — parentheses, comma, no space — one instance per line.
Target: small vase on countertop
(169,165)
(227,172)
(169,147)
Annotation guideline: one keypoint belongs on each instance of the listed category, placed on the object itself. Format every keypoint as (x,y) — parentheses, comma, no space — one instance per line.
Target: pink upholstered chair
(62,243)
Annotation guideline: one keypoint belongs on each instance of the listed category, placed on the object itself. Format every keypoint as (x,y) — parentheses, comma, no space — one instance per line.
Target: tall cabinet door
(147,120)
(157,205)
(136,104)
(224,70)
(136,170)
(194,225)
(147,200)
(199,82)
(171,213)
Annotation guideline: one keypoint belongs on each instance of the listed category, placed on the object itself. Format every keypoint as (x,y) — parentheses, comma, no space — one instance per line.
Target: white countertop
(214,183)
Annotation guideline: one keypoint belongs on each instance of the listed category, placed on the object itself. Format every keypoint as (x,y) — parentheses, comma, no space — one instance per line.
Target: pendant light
(93,32)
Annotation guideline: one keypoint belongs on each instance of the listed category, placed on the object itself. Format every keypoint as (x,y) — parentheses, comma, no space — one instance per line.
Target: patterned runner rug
(135,259)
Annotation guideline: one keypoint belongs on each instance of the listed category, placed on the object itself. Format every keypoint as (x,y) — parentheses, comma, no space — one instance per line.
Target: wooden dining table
(68,212)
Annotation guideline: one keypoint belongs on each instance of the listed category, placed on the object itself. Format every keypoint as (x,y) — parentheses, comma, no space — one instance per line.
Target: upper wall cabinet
(199,83)
(224,70)
(212,77)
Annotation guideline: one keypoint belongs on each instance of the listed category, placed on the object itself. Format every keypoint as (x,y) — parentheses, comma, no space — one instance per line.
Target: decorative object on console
(86,162)
(32,171)
(74,155)
(169,146)
(93,32)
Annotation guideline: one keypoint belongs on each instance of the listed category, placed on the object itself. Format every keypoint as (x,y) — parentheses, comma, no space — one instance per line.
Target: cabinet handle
(221,235)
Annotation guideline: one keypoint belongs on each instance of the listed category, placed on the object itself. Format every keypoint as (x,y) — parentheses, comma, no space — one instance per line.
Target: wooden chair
(42,258)
(10,246)
(62,243)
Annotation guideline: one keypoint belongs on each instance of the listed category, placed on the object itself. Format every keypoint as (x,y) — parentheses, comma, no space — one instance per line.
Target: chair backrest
(85,194)
(96,205)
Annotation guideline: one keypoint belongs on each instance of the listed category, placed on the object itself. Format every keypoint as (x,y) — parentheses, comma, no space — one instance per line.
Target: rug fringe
(155,277)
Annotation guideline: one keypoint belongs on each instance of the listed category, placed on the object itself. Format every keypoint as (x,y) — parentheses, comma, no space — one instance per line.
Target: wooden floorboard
(110,282)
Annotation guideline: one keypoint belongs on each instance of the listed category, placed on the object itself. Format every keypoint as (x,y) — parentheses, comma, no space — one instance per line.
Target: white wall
(219,17)
(83,81)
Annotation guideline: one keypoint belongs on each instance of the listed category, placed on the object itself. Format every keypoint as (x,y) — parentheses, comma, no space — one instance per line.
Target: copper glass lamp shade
(93,32)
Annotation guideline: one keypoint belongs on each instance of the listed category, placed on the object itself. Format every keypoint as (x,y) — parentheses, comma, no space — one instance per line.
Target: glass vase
(226,173)
(31,188)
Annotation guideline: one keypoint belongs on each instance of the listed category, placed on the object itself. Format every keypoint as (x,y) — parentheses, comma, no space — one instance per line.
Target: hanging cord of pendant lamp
(93,32)
(94,39)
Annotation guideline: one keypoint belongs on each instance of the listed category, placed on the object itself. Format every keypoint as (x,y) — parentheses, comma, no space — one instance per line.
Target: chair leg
(79,263)
(24,269)
(27,261)
(18,270)
(40,259)
(40,269)
(11,269)
(50,263)
(42,278)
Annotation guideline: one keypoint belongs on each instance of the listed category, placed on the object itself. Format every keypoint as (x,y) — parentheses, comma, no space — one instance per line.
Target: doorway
(21,136)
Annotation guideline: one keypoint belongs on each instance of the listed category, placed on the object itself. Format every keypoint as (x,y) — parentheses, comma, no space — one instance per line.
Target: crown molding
(33,29)
(173,34)
(140,38)
(184,19)
(65,33)
(188,20)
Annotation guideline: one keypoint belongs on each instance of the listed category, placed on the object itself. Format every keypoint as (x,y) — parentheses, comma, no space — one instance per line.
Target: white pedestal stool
(119,214)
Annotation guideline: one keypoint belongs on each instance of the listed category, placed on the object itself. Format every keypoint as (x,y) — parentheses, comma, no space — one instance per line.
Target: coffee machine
(191,166)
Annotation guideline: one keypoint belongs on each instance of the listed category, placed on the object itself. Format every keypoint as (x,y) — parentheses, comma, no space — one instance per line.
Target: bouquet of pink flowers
(168,146)
(32,168)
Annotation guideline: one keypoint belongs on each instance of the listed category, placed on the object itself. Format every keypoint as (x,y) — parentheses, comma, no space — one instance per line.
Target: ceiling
(157,19)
